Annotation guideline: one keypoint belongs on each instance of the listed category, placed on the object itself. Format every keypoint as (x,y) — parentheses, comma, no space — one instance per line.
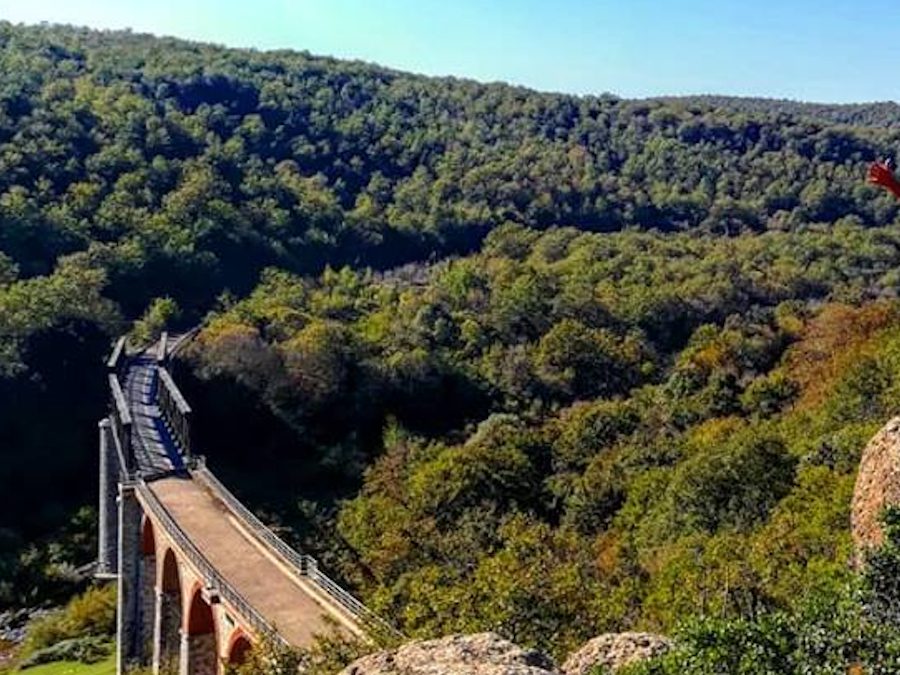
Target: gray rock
(615,650)
(14,623)
(479,654)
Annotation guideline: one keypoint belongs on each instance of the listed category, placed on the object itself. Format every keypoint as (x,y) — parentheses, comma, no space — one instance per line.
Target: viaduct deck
(256,581)
(289,602)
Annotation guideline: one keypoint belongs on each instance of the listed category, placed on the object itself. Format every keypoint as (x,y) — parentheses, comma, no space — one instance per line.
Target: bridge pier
(107,516)
(202,655)
(184,654)
(202,639)
(128,609)
(148,606)
(168,617)
(159,606)
(167,633)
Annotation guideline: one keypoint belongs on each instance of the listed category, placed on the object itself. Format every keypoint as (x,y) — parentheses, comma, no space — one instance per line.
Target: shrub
(89,649)
(90,615)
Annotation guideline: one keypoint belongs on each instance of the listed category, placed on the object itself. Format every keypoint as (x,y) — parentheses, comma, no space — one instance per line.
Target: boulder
(612,651)
(479,654)
(877,485)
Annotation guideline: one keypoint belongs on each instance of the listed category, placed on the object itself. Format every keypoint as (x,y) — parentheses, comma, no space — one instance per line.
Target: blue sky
(836,51)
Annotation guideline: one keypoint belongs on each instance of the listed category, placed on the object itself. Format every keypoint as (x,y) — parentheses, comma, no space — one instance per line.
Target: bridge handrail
(304,564)
(345,599)
(121,403)
(175,409)
(179,342)
(256,526)
(113,362)
(177,397)
(212,578)
(120,418)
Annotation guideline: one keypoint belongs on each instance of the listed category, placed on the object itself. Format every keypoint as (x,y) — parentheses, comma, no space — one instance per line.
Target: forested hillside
(538,343)
(885,114)
(574,433)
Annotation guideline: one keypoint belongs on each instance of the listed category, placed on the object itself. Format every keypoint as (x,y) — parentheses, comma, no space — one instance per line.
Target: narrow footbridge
(200,578)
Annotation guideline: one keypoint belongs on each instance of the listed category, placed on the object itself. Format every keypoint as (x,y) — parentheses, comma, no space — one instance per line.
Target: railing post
(161,350)
(175,411)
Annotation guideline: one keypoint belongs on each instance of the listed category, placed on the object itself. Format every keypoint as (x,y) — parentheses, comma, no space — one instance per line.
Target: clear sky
(829,50)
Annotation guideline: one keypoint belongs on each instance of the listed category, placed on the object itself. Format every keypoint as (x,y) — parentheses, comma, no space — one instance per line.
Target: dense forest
(570,433)
(552,365)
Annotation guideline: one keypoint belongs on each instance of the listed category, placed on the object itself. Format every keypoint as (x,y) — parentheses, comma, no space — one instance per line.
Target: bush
(159,314)
(90,649)
(90,615)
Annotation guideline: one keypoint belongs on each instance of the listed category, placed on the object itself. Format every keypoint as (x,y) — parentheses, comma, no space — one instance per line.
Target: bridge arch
(239,647)
(148,537)
(202,642)
(169,615)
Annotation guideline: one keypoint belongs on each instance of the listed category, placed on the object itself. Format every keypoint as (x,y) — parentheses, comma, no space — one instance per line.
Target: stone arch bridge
(200,578)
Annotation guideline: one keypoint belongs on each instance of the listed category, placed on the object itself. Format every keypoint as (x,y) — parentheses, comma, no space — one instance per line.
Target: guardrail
(359,611)
(175,410)
(212,579)
(120,416)
(116,359)
(255,525)
(304,564)
(182,340)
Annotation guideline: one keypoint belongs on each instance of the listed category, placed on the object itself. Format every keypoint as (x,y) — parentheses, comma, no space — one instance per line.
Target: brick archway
(200,628)
(239,647)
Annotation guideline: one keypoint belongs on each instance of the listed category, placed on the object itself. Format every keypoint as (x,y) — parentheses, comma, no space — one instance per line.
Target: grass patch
(106,667)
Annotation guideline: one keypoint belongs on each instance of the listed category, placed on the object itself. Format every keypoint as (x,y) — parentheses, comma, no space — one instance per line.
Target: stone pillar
(107,517)
(184,654)
(158,652)
(128,614)
(167,636)
(203,657)
(149,606)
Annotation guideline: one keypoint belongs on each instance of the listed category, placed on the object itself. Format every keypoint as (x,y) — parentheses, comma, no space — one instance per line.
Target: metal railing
(116,361)
(120,416)
(175,410)
(304,564)
(213,581)
(256,526)
(182,340)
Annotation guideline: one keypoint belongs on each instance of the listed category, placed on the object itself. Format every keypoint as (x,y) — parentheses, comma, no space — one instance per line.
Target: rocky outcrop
(877,485)
(615,650)
(14,623)
(479,654)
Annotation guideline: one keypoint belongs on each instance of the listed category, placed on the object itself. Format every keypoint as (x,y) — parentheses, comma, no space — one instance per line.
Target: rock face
(479,654)
(615,650)
(877,485)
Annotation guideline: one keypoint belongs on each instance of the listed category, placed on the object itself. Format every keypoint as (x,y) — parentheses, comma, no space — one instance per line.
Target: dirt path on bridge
(271,589)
